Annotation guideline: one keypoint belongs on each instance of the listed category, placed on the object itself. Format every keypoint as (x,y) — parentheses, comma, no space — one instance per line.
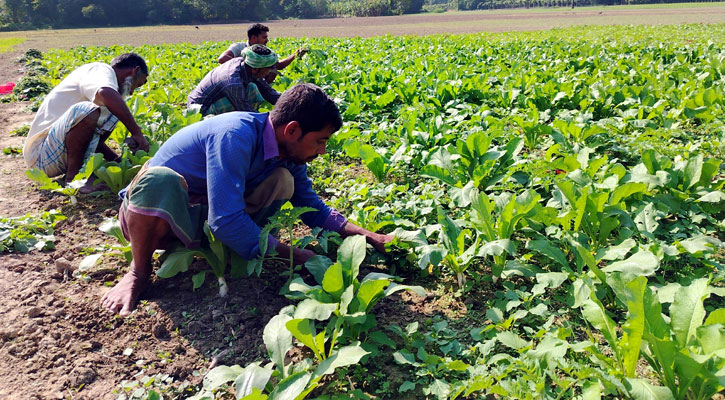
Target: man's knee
(84,129)
(285,183)
(91,120)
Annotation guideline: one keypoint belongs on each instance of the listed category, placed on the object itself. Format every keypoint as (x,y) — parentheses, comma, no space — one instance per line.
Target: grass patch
(8,44)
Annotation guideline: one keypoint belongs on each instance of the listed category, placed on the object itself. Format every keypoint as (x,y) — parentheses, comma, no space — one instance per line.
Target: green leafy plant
(687,353)
(217,255)
(27,233)
(72,188)
(117,175)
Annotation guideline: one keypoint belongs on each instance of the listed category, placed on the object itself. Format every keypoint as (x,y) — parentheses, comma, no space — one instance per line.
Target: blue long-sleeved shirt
(224,158)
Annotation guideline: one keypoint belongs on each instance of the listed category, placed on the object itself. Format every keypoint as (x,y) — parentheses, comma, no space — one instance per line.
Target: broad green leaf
(112,227)
(642,263)
(548,280)
(198,279)
(304,331)
(700,244)
(617,252)
(591,390)
(350,255)
(642,389)
(253,377)
(687,311)
(406,386)
(277,339)
(497,248)
(333,282)
(394,287)
(221,375)
(716,317)
(512,340)
(178,261)
(711,338)
(291,387)
(626,190)
(405,357)
(256,394)
(646,219)
(317,265)
(343,357)
(633,327)
(694,375)
(547,249)
(581,292)
(370,291)
(313,309)
(594,312)
(219,250)
(693,171)
(439,388)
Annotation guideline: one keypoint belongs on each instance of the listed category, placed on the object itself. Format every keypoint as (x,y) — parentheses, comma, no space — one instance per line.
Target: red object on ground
(7,88)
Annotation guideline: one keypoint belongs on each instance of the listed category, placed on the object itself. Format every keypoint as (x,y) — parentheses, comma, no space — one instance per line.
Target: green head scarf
(263,57)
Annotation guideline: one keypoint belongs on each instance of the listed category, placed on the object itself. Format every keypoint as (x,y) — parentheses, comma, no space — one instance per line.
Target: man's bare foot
(123,297)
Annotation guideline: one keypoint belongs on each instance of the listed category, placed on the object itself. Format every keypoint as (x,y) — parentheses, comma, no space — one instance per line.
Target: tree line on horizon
(37,14)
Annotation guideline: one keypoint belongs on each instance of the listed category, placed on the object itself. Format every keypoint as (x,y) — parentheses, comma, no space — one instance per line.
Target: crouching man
(79,114)
(237,85)
(233,170)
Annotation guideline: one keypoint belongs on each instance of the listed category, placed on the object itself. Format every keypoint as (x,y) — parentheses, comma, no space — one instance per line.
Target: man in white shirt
(258,34)
(79,114)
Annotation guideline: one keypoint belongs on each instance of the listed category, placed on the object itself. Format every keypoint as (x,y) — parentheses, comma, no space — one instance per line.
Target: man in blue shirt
(230,169)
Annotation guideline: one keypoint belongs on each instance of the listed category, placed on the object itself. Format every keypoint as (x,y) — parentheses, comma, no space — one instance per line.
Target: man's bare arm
(282,64)
(117,106)
(226,56)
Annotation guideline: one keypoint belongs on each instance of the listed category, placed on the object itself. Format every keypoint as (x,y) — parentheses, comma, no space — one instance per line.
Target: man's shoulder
(236,123)
(229,69)
(101,66)
(236,48)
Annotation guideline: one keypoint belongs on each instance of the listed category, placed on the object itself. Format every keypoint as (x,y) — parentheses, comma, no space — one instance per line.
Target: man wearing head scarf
(259,34)
(237,85)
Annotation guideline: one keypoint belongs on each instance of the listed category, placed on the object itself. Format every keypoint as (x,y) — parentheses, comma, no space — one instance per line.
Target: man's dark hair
(256,29)
(261,49)
(309,105)
(130,60)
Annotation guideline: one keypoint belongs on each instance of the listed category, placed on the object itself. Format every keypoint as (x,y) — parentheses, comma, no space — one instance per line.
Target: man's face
(303,149)
(132,82)
(262,39)
(139,80)
(260,73)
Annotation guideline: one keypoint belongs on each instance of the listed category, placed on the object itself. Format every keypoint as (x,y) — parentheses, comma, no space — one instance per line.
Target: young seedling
(70,189)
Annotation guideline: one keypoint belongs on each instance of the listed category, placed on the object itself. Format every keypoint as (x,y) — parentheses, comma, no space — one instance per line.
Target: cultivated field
(557,197)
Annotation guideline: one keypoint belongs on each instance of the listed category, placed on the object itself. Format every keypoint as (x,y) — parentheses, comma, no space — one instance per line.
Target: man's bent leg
(76,143)
(269,195)
(146,234)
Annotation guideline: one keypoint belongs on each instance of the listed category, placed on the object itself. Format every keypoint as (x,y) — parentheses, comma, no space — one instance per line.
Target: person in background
(259,34)
(237,85)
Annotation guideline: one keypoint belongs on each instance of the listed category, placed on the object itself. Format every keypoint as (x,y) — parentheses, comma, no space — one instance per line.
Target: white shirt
(236,48)
(80,85)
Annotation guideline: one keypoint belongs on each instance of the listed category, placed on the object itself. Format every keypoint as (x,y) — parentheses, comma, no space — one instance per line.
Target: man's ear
(292,129)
